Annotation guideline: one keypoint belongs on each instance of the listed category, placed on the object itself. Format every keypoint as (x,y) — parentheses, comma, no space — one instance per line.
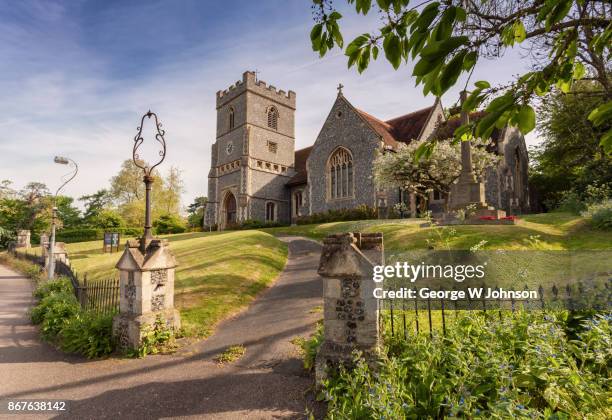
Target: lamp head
(61,160)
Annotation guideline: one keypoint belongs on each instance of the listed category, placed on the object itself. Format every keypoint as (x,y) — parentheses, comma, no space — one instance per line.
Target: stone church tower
(253,155)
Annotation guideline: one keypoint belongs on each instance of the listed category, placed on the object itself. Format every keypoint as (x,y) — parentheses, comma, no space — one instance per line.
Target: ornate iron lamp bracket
(148,170)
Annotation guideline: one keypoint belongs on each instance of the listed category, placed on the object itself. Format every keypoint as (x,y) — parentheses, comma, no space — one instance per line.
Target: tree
(570,157)
(195,212)
(68,215)
(402,169)
(128,193)
(95,203)
(107,219)
(567,40)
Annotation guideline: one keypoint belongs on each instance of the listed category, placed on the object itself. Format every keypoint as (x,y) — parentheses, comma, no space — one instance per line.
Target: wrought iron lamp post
(148,170)
(66,179)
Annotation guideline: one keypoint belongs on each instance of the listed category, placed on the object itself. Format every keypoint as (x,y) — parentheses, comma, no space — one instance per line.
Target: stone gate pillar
(146,291)
(350,315)
(23,239)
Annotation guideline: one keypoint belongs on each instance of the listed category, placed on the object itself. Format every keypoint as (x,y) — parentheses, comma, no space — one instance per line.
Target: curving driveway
(268,382)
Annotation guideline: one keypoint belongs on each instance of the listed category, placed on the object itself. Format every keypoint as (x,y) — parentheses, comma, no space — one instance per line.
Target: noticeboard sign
(111,240)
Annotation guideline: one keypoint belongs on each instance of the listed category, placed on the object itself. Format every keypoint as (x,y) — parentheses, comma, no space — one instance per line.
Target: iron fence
(401,317)
(98,296)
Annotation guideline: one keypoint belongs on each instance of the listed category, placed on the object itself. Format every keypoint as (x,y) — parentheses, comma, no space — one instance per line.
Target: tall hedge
(93,234)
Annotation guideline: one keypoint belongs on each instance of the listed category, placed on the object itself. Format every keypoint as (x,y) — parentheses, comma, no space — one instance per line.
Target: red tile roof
(301,175)
(402,129)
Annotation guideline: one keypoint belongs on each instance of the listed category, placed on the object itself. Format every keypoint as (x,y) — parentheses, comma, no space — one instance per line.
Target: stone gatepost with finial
(350,309)
(146,268)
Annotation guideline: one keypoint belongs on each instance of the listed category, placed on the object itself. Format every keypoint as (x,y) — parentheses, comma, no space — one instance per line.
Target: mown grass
(546,231)
(218,274)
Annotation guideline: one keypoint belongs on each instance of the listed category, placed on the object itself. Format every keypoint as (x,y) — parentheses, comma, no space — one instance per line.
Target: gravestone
(146,291)
(23,239)
(350,315)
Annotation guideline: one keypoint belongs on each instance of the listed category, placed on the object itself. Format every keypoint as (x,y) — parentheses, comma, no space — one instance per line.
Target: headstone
(23,239)
(147,291)
(350,315)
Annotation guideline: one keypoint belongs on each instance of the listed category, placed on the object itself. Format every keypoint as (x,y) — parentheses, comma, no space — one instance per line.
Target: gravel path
(267,382)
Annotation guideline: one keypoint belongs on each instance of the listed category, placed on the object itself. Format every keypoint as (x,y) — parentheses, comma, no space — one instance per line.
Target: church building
(256,173)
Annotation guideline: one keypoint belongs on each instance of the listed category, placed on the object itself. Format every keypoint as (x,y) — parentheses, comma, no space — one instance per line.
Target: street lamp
(65,179)
(148,170)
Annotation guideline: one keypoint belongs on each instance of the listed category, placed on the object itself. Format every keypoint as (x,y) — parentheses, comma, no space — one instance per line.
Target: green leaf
(423,67)
(316,31)
(393,51)
(335,16)
(375,52)
(606,141)
(470,60)
(526,119)
(579,71)
(439,49)
(451,72)
(427,16)
(519,31)
(601,114)
(482,84)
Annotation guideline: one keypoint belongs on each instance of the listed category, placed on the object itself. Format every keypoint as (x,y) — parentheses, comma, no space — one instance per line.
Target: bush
(93,234)
(53,311)
(361,212)
(600,214)
(520,366)
(169,223)
(64,322)
(88,334)
(60,285)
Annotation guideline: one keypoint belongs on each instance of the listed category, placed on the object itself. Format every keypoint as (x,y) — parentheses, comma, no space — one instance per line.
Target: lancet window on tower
(273,117)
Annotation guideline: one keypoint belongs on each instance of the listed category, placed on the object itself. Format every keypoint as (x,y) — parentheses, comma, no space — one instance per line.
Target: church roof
(401,129)
(301,173)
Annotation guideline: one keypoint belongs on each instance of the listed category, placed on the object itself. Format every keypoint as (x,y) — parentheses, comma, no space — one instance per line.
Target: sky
(76,76)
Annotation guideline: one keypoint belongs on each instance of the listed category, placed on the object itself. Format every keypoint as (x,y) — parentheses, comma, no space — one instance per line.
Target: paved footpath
(268,382)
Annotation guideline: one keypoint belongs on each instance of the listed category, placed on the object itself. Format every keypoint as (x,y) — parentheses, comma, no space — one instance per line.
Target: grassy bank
(546,231)
(218,273)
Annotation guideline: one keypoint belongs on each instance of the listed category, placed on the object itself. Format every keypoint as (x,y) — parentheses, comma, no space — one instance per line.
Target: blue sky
(76,76)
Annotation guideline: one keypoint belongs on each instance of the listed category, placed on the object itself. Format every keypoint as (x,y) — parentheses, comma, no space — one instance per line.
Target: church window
(273,118)
(231,118)
(272,146)
(340,174)
(270,212)
(437,195)
(297,203)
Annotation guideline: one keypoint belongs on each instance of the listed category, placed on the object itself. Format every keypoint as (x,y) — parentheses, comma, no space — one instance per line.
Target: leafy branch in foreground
(566,40)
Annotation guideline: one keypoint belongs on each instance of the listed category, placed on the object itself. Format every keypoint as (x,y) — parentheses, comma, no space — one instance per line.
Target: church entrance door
(229,207)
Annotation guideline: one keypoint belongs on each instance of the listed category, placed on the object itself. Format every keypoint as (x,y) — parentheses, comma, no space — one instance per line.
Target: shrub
(169,223)
(520,366)
(53,311)
(600,214)
(88,334)
(361,212)
(64,322)
(60,285)
(156,339)
(310,347)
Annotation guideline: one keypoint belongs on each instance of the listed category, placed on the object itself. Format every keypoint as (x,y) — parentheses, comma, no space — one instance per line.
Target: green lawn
(547,231)
(218,273)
